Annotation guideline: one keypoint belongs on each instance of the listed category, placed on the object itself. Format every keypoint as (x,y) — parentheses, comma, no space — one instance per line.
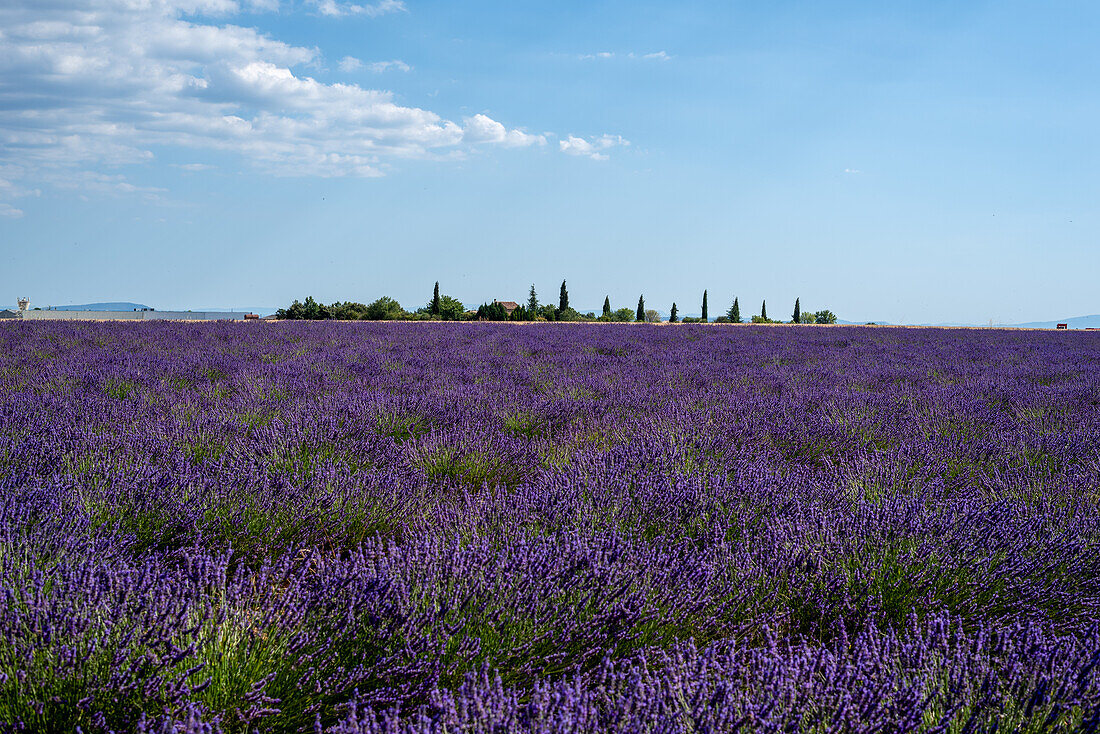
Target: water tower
(24,304)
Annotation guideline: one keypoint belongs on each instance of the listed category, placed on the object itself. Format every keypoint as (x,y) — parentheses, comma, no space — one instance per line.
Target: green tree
(673,315)
(640,315)
(704,314)
(384,309)
(825,316)
(532,300)
(569,314)
(623,314)
(548,312)
(563,298)
(347,311)
(437,304)
(451,309)
(492,312)
(607,306)
(764,310)
(734,313)
(797,316)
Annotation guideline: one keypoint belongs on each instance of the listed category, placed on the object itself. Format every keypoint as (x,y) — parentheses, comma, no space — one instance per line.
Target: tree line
(445,308)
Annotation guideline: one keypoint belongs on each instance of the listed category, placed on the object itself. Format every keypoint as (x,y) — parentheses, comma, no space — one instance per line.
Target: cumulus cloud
(7,210)
(88,86)
(336,9)
(484,129)
(592,147)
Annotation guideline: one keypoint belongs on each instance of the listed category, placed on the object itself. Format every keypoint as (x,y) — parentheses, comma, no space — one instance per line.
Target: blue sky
(907,162)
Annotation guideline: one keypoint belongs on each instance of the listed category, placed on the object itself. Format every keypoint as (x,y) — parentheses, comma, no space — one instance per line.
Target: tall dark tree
(797,312)
(735,312)
(532,300)
(764,309)
(563,299)
(435,300)
(674,314)
(641,309)
(607,306)
(705,318)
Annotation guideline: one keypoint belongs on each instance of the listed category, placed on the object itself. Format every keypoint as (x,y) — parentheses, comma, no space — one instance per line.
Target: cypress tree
(734,314)
(764,310)
(532,300)
(705,319)
(435,300)
(607,306)
(797,312)
(673,315)
(563,300)
(641,309)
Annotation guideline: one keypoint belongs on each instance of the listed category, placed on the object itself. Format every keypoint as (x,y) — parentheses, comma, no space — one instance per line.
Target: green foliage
(640,314)
(825,316)
(521,313)
(436,305)
(451,309)
(563,298)
(532,303)
(492,312)
(764,312)
(607,306)
(623,314)
(384,309)
(673,315)
(807,317)
(310,310)
(722,320)
(734,314)
(704,317)
(652,317)
(346,311)
(796,318)
(548,313)
(569,314)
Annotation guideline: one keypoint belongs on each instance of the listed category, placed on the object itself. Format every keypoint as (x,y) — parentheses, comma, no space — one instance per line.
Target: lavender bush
(462,528)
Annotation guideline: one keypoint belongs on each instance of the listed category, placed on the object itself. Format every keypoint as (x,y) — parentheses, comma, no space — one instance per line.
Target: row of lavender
(436,527)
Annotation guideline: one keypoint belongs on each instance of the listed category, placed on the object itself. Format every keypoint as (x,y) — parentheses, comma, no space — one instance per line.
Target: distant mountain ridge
(1075,322)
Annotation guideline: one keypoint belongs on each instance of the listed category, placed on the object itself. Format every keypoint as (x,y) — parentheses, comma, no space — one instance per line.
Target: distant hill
(1074,322)
(112,306)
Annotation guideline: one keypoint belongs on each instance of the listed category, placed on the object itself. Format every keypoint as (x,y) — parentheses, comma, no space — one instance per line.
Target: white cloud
(88,86)
(593,147)
(483,129)
(655,56)
(852,170)
(336,9)
(350,63)
(194,167)
(7,210)
(381,66)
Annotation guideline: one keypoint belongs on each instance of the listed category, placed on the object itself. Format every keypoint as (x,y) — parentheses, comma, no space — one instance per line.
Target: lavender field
(428,527)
